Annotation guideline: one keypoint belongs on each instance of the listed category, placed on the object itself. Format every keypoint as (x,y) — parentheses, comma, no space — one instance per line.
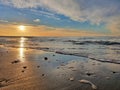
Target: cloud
(36,20)
(45,13)
(93,11)
(4,21)
(114,25)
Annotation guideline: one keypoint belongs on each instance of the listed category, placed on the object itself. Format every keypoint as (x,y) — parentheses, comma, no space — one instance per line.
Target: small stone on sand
(89,73)
(23,71)
(25,67)
(38,66)
(45,58)
(71,79)
(43,74)
(114,72)
(16,61)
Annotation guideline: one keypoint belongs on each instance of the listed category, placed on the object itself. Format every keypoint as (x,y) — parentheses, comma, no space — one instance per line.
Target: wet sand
(29,69)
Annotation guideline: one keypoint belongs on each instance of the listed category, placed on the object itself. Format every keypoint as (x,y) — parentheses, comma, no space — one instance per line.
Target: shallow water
(104,49)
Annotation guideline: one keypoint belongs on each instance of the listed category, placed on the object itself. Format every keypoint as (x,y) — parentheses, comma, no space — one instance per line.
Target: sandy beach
(59,45)
(23,68)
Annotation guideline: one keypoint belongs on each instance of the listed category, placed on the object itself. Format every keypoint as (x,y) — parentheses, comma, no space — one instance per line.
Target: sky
(60,17)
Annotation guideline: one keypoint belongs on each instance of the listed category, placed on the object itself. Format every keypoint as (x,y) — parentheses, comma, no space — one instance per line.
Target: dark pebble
(23,71)
(114,72)
(16,61)
(25,67)
(45,58)
(38,66)
(43,74)
(89,74)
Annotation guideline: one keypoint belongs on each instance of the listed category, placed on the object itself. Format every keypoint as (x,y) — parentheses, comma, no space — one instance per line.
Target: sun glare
(21,27)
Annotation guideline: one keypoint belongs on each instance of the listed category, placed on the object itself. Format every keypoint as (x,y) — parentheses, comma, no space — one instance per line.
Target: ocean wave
(90,57)
(96,42)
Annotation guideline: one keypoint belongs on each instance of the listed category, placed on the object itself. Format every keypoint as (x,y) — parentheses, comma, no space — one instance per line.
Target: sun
(22,27)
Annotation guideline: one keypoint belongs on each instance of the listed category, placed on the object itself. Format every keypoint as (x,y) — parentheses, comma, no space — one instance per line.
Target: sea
(103,49)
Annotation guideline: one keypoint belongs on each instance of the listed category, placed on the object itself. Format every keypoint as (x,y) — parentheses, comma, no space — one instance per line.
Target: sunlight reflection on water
(21,49)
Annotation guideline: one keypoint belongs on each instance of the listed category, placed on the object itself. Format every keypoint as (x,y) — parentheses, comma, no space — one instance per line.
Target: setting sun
(21,27)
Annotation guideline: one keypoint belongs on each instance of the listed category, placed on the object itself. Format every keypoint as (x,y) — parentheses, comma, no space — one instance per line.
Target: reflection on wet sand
(21,49)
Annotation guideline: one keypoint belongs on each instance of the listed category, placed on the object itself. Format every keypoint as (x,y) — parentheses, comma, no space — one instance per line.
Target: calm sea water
(104,49)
